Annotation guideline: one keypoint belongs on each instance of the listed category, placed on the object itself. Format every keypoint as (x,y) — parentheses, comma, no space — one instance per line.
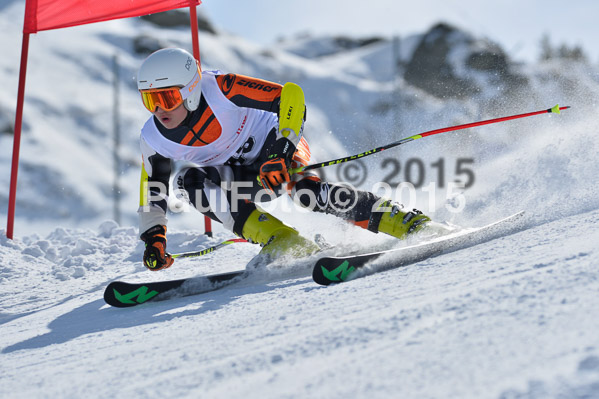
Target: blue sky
(517,25)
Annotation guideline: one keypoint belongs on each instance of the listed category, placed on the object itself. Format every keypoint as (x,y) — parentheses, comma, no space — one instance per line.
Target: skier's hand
(155,255)
(273,173)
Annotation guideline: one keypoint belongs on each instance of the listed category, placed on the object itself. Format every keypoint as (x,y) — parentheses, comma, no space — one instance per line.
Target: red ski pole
(554,110)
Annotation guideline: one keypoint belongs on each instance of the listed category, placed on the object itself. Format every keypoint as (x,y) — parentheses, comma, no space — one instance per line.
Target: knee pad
(187,182)
(312,194)
(190,178)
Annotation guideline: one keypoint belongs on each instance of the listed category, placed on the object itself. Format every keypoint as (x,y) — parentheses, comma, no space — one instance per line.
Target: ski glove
(155,255)
(273,173)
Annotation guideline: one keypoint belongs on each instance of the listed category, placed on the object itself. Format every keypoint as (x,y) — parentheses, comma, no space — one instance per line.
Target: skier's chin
(167,122)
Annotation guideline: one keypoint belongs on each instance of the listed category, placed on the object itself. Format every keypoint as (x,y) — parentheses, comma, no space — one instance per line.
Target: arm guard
(292,114)
(153,195)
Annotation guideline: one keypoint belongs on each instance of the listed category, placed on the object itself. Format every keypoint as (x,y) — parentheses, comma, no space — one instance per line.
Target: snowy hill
(512,318)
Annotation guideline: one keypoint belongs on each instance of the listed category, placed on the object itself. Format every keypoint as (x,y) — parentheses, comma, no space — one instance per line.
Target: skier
(240,136)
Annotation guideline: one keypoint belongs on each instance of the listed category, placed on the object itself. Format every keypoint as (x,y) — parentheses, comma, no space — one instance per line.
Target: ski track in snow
(513,317)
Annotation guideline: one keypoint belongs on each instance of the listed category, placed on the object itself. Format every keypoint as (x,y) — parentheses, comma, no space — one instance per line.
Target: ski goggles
(169,98)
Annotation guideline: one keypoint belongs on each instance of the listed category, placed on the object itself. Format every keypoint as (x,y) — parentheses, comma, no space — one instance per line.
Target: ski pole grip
(293,171)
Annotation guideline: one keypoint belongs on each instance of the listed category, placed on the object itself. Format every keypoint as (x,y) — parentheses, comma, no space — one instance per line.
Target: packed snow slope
(516,317)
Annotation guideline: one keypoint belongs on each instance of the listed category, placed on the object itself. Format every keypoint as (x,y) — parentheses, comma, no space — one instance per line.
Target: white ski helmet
(171,67)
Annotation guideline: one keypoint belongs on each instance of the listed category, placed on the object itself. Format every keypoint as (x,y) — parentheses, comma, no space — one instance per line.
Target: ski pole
(207,250)
(554,110)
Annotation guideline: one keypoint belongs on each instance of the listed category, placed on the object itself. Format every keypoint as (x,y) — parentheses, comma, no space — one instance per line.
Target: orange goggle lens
(168,99)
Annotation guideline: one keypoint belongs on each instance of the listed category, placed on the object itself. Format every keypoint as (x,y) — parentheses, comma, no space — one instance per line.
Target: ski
(122,295)
(338,269)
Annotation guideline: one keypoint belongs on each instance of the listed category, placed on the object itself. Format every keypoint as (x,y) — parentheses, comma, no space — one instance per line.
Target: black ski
(337,269)
(122,295)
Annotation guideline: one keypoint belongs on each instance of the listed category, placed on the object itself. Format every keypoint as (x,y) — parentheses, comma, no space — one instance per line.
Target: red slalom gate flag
(54,14)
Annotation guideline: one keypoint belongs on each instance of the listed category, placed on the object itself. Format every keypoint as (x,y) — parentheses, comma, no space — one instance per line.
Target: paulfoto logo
(428,187)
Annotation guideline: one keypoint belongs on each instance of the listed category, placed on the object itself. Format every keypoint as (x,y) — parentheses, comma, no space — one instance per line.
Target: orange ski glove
(273,173)
(155,255)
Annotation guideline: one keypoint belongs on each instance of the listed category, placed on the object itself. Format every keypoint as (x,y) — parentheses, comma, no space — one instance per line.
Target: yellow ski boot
(396,221)
(276,238)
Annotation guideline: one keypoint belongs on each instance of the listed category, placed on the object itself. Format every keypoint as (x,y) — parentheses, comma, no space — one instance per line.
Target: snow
(509,318)
(516,317)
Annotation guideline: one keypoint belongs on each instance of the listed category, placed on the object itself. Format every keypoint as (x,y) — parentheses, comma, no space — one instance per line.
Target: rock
(445,58)
(178,18)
